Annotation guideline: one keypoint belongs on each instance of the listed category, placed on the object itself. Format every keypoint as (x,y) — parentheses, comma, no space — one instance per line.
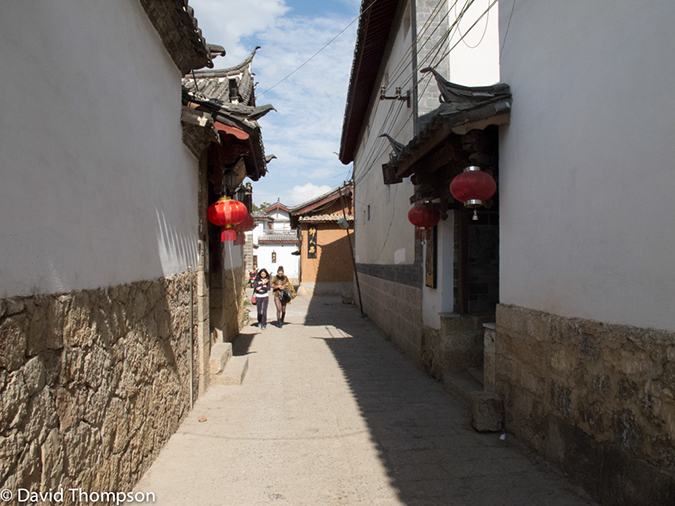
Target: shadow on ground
(422,434)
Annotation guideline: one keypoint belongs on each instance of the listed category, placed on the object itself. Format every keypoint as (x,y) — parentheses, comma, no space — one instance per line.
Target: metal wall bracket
(397,95)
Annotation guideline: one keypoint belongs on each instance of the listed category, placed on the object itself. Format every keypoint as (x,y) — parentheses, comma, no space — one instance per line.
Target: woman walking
(261,288)
(283,293)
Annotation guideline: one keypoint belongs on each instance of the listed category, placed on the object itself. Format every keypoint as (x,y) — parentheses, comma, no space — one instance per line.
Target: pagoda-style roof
(462,109)
(232,85)
(318,204)
(325,208)
(228,96)
(277,206)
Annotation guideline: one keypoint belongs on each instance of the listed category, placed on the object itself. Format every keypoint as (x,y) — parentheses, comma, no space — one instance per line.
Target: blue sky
(305,131)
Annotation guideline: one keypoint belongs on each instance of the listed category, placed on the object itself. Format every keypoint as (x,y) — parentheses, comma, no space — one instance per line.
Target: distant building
(325,224)
(275,243)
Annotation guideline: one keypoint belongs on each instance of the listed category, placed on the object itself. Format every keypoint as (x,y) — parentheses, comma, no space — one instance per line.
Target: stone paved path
(331,414)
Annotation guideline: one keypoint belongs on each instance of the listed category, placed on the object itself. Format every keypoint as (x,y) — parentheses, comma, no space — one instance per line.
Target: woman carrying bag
(283,293)
(261,288)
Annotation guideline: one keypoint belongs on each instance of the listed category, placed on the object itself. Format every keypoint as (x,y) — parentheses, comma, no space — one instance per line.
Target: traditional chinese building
(275,242)
(220,112)
(325,224)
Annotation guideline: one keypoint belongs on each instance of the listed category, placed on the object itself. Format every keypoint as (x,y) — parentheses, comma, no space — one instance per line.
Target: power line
(471,27)
(373,156)
(487,22)
(324,47)
(506,33)
(403,62)
(377,153)
(443,39)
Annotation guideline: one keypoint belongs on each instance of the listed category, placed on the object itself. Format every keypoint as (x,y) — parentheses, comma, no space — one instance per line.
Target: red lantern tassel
(227,234)
(422,234)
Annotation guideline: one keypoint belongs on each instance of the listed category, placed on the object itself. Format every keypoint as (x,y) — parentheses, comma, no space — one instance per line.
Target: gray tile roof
(290,237)
(324,218)
(462,109)
(176,25)
(234,106)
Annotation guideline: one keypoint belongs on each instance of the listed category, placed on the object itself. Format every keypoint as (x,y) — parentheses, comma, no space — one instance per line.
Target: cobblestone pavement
(331,414)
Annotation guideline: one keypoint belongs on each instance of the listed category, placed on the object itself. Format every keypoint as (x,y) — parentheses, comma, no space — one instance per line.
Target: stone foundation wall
(227,293)
(597,399)
(235,284)
(397,309)
(458,344)
(93,383)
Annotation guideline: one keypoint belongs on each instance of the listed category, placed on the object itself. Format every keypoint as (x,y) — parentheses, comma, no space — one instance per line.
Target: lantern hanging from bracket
(473,187)
(227,213)
(424,217)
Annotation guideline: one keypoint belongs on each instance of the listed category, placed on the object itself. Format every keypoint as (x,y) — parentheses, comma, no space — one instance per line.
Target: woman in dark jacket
(261,288)
(280,282)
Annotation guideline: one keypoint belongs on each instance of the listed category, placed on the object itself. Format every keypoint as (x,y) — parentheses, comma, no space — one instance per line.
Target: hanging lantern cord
(475,215)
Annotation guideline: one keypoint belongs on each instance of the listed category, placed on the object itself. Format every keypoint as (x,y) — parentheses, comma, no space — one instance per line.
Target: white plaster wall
(388,237)
(586,165)
(282,220)
(234,255)
(97,187)
(474,58)
(290,263)
(440,300)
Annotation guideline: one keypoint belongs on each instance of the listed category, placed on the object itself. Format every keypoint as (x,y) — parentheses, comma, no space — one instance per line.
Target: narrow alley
(330,413)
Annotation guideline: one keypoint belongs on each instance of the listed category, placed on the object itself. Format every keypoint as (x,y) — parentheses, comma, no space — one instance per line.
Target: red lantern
(473,187)
(246,225)
(424,217)
(242,227)
(227,213)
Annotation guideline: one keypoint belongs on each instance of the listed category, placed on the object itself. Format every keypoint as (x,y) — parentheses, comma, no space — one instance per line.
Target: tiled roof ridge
(177,27)
(348,186)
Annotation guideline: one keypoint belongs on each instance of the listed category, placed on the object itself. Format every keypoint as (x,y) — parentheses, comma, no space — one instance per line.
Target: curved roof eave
(373,33)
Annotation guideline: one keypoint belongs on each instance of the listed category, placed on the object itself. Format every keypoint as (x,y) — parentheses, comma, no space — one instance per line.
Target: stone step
(220,355)
(233,373)
(460,385)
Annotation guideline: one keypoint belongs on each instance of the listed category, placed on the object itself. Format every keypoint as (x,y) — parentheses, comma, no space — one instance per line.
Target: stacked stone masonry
(93,383)
(597,399)
(397,310)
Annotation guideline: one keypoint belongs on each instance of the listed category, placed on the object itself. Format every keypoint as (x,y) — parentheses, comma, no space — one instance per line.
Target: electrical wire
(418,48)
(487,22)
(315,54)
(377,153)
(506,32)
(443,40)
(471,27)
(373,156)
(403,61)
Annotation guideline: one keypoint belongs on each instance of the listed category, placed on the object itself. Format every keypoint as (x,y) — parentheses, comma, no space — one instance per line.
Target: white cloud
(300,194)
(306,130)
(226,22)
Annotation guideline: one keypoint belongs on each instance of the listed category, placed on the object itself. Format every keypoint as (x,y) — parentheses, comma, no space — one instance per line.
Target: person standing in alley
(261,288)
(283,293)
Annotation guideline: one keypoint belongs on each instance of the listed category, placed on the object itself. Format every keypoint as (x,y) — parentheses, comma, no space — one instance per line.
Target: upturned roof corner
(228,96)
